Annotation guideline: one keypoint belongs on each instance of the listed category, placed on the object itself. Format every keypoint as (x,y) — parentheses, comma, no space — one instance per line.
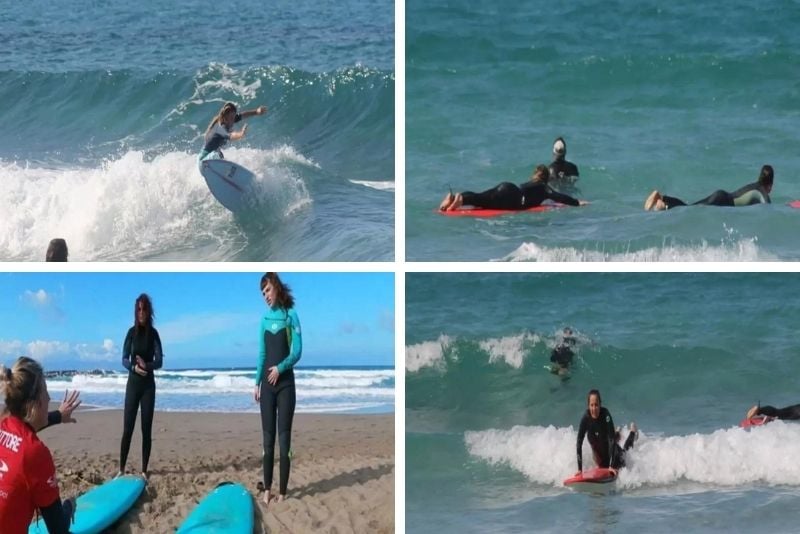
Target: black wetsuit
(748,195)
(790,412)
(508,196)
(561,168)
(601,435)
(562,354)
(282,346)
(140,390)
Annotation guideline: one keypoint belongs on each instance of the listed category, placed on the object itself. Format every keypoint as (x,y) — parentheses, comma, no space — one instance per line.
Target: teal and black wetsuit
(215,139)
(280,345)
(140,390)
(748,195)
(508,196)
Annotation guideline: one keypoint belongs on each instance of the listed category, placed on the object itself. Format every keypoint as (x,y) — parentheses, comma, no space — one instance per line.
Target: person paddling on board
(599,426)
(789,413)
(508,196)
(220,130)
(755,193)
(562,172)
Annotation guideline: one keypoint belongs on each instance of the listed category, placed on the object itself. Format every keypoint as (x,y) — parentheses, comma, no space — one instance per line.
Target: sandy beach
(342,477)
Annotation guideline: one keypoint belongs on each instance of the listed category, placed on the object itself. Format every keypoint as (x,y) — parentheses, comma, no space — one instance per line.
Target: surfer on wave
(220,130)
(598,426)
(508,196)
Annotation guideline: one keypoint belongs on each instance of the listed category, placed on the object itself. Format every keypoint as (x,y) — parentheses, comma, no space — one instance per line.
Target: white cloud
(40,350)
(48,351)
(11,348)
(198,326)
(38,299)
(45,303)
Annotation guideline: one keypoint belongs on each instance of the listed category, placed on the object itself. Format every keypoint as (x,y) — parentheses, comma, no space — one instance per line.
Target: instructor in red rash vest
(27,473)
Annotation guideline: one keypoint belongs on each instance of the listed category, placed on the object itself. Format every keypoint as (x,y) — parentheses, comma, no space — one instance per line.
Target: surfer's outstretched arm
(260,110)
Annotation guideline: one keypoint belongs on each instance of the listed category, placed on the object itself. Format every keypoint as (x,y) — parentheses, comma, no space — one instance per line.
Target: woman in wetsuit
(280,347)
(141,355)
(755,193)
(599,426)
(28,479)
(220,128)
(508,196)
(787,413)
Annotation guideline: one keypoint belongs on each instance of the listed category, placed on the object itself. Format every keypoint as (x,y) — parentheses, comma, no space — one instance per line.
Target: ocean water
(319,389)
(490,434)
(684,97)
(106,105)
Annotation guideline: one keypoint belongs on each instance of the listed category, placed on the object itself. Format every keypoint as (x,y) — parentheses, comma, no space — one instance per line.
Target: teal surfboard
(101,506)
(227,509)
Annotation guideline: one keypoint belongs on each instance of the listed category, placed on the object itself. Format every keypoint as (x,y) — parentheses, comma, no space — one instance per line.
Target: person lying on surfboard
(220,130)
(599,426)
(28,479)
(508,196)
(788,413)
(755,193)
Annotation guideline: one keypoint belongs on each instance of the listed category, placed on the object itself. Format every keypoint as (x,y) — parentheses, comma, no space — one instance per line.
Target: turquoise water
(678,96)
(490,434)
(106,105)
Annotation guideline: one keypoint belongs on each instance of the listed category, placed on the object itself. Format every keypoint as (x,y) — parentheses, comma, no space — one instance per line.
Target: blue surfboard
(227,509)
(231,184)
(101,506)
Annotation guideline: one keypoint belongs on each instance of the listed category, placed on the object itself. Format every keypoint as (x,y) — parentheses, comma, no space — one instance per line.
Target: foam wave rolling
(730,457)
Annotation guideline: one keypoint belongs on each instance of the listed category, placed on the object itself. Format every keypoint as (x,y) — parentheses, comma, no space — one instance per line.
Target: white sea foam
(380,186)
(132,206)
(743,249)
(725,458)
(510,349)
(427,354)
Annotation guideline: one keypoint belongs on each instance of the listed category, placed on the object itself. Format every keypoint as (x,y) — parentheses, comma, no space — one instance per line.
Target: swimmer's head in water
(560,148)
(767,176)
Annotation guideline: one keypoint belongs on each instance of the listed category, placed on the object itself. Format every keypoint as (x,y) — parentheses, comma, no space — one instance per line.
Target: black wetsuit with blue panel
(281,345)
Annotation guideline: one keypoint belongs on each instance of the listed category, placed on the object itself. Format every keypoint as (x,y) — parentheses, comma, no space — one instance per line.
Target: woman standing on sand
(280,346)
(141,355)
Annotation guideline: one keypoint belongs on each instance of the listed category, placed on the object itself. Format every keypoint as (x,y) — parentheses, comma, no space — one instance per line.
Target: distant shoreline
(61,373)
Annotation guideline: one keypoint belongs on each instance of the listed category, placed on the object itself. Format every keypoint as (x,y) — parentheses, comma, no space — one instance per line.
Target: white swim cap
(559,147)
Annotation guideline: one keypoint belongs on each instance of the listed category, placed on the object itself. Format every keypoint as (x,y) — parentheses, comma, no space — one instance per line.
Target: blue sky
(79,320)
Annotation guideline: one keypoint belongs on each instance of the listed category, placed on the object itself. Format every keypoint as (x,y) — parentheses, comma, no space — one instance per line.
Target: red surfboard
(795,203)
(597,479)
(483,212)
(756,420)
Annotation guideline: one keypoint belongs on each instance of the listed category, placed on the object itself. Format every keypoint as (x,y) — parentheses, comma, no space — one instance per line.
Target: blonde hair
(228,106)
(22,385)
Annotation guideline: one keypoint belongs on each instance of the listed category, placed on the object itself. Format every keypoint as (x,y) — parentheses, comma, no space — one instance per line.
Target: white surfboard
(231,184)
